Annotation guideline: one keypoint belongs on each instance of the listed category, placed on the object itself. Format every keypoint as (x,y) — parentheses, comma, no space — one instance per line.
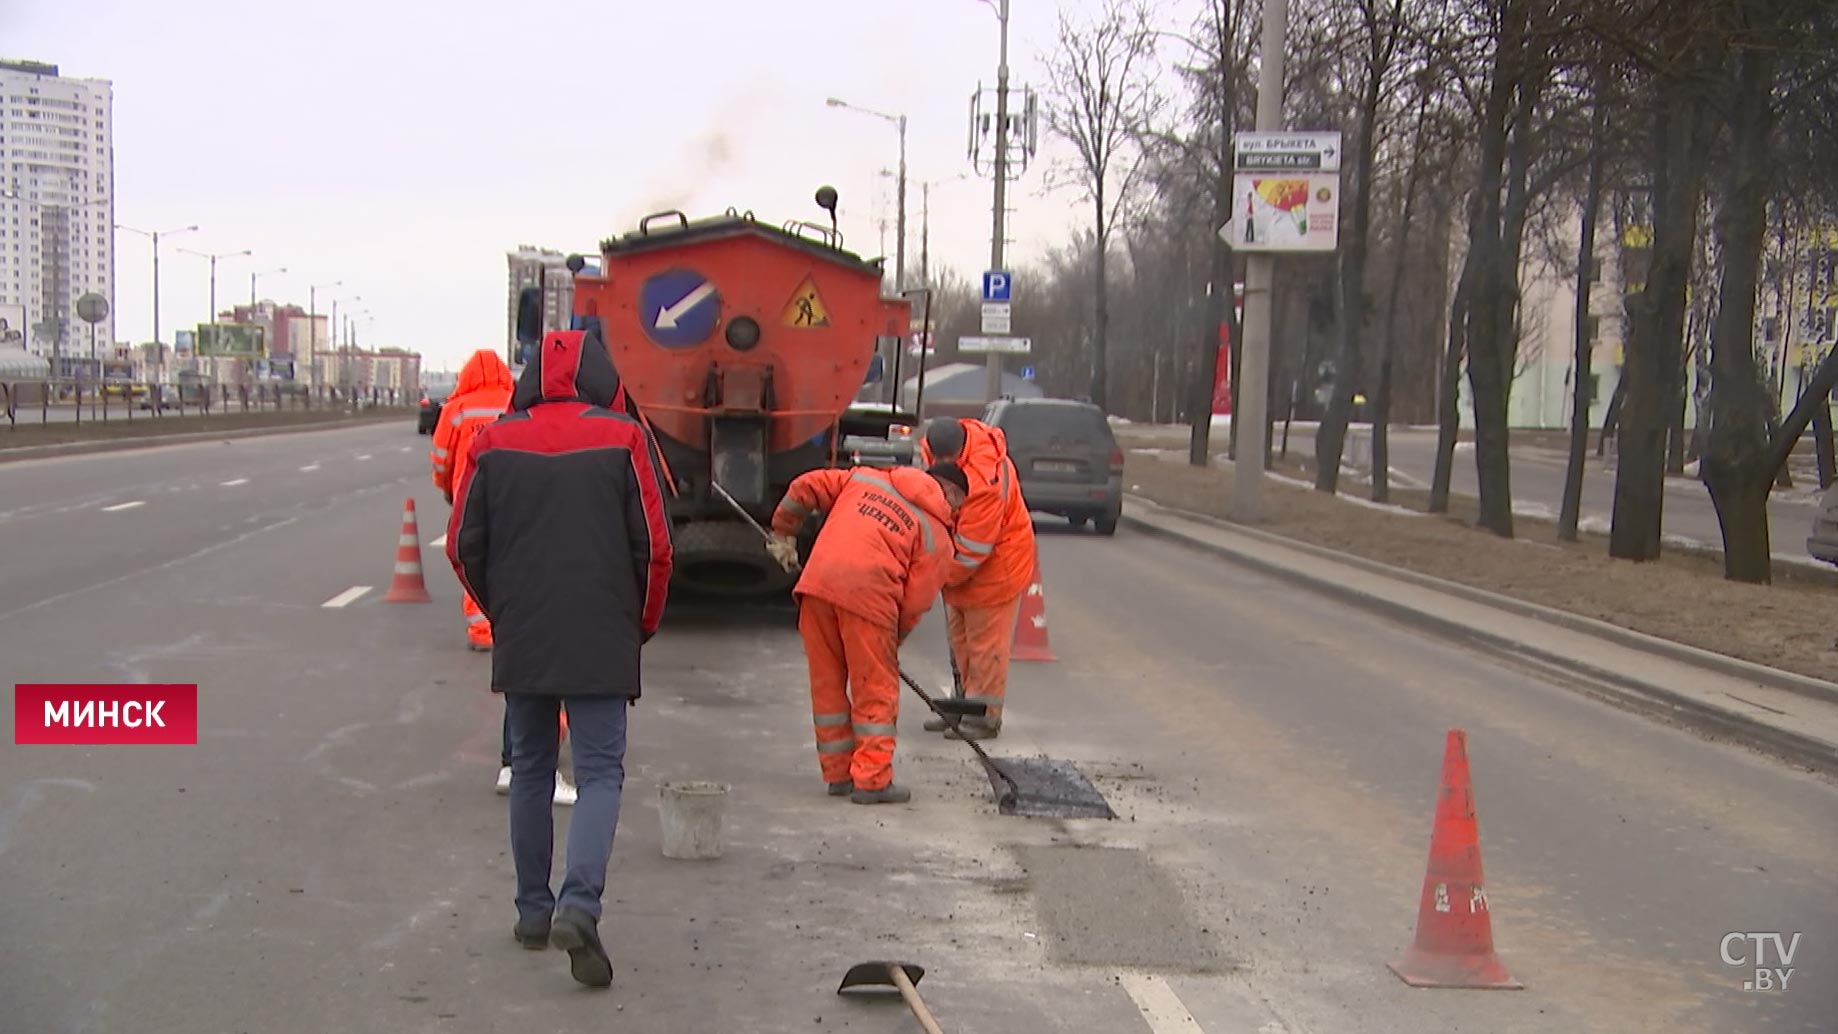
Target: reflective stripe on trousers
(854,693)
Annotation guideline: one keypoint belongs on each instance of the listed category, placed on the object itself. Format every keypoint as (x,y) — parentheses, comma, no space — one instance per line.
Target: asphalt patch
(1052,789)
(1114,907)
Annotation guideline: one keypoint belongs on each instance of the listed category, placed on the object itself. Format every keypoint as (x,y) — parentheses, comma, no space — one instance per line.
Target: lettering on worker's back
(888,512)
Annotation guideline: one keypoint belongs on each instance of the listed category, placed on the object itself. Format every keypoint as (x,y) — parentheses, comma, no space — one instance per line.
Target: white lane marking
(439,543)
(347,596)
(124,506)
(403,449)
(1158,1003)
(362,456)
(233,484)
(310,467)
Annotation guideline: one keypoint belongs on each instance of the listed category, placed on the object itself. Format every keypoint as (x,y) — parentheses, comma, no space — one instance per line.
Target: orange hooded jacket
(995,534)
(885,546)
(481,396)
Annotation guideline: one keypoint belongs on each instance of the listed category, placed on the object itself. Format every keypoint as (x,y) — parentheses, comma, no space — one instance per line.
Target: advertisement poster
(12,326)
(1286,211)
(234,340)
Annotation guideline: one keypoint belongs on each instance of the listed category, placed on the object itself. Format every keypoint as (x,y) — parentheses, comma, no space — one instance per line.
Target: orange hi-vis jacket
(481,395)
(885,545)
(995,534)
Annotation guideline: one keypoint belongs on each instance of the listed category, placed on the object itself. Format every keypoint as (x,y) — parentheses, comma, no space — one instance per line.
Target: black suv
(1068,459)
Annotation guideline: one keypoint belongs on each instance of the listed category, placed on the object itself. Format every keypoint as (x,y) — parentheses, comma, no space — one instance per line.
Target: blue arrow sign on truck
(678,308)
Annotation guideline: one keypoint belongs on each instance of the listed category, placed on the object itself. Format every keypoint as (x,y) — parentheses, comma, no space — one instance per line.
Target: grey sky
(403,148)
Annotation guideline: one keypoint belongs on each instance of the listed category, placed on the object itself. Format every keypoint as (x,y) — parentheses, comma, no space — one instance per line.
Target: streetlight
(252,276)
(159,349)
(312,327)
(925,223)
(214,258)
(899,121)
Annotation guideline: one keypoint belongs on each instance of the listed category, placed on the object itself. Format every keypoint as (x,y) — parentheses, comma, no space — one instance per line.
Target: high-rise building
(57,205)
(532,267)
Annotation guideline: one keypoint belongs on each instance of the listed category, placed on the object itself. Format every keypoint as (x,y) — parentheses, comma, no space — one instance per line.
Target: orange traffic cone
(1454,942)
(1031,626)
(407,585)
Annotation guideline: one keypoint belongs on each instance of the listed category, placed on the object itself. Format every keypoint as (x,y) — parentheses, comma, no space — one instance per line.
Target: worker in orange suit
(481,395)
(993,567)
(874,571)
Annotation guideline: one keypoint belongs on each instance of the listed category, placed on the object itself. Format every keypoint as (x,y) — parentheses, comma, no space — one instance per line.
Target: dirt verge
(1682,596)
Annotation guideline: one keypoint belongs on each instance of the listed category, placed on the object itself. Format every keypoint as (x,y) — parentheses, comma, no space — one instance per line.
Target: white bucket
(691,814)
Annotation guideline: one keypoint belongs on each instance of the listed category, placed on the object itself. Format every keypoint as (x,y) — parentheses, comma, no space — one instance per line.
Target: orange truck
(742,346)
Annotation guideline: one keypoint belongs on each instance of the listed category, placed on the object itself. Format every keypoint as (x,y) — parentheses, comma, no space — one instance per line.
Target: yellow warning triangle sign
(806,308)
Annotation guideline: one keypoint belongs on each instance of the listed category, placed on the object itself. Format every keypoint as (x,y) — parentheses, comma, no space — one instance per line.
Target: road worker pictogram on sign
(806,308)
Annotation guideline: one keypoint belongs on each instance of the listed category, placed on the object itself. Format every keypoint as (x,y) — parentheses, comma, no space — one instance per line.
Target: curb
(34,452)
(1774,678)
(1639,696)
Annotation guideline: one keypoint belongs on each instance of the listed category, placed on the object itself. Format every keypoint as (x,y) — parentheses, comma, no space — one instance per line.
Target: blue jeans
(598,726)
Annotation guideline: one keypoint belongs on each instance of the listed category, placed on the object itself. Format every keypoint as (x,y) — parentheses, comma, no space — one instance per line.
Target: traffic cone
(1454,942)
(407,585)
(1031,627)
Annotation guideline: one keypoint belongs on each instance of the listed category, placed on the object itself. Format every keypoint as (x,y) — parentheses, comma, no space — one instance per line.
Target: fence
(54,401)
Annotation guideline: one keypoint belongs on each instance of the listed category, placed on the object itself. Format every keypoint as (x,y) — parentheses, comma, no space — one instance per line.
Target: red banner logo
(104,715)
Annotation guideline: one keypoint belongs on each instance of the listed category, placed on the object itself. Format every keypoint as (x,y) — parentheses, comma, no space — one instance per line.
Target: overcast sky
(402,148)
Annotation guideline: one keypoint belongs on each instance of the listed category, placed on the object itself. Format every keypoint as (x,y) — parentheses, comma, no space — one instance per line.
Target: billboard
(232,340)
(12,326)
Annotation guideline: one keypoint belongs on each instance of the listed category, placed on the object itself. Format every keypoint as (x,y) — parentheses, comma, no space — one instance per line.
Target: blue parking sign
(997,285)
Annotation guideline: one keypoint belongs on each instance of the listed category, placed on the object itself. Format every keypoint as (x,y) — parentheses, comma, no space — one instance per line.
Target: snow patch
(1537,510)
(1595,525)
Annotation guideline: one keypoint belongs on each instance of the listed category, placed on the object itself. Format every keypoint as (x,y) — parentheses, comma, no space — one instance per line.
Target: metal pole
(251,294)
(925,232)
(919,394)
(1260,270)
(899,253)
(213,314)
(159,349)
(993,385)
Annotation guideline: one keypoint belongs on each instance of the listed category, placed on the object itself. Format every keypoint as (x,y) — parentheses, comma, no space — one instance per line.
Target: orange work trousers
(981,638)
(855,692)
(478,626)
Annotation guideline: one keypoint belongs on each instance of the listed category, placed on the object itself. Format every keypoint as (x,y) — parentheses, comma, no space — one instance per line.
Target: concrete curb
(35,452)
(1775,678)
(1642,697)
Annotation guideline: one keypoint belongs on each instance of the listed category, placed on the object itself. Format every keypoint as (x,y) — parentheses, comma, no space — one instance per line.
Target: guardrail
(53,401)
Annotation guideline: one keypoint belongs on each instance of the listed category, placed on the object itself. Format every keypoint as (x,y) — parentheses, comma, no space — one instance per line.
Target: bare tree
(1102,95)
(1582,380)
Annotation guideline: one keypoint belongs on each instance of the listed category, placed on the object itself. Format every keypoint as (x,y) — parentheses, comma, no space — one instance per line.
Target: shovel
(953,711)
(903,975)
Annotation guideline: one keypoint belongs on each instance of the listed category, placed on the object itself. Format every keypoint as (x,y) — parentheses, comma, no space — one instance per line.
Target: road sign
(996,317)
(678,308)
(1027,373)
(1003,345)
(997,284)
(806,307)
(1286,152)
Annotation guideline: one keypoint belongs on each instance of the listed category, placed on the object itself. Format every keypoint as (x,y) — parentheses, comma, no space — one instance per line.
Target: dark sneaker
(889,794)
(532,933)
(936,725)
(477,647)
(974,729)
(842,789)
(576,933)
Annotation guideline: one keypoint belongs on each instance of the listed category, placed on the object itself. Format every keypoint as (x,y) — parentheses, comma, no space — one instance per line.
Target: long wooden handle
(911,994)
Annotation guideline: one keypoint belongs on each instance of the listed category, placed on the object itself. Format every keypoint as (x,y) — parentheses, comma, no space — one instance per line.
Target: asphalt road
(1538,489)
(330,855)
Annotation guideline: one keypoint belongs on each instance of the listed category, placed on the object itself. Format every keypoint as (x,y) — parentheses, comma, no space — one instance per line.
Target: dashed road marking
(439,543)
(347,596)
(403,449)
(362,456)
(124,506)
(309,467)
(1159,1005)
(234,483)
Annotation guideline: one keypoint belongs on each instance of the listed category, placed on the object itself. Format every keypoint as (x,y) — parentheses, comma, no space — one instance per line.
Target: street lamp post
(899,248)
(252,276)
(213,259)
(159,349)
(312,326)
(925,225)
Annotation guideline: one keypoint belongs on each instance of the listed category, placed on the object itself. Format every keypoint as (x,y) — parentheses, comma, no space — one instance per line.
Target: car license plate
(1055,466)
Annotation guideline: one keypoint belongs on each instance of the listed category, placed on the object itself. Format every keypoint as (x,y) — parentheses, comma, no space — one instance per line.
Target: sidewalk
(1779,712)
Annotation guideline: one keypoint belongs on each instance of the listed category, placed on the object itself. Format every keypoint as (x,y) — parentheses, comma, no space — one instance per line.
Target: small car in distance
(1067,456)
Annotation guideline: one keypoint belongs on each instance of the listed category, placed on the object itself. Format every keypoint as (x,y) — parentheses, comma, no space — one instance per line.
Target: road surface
(330,855)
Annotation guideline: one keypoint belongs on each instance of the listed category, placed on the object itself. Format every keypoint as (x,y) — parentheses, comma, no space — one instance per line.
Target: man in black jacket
(559,532)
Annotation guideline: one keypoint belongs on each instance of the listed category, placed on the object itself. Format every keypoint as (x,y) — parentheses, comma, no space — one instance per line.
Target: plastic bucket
(691,814)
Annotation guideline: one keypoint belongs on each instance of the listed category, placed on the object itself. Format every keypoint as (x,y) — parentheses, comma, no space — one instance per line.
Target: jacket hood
(484,370)
(569,366)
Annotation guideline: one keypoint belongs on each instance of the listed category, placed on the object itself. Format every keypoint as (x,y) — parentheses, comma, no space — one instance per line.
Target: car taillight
(1116,458)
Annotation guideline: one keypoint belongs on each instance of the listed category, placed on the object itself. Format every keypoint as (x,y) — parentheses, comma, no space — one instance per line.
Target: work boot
(576,933)
(504,780)
(889,794)
(532,933)
(477,647)
(936,725)
(842,788)
(975,729)
(565,792)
